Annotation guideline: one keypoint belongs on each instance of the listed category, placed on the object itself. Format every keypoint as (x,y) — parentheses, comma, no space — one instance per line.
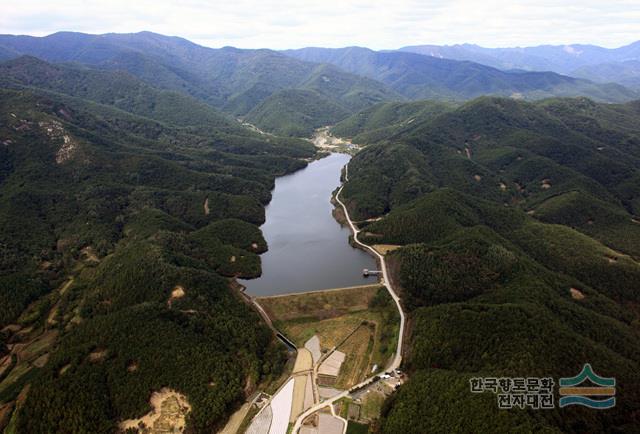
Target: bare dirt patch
(576,294)
(66,286)
(64,369)
(383,249)
(53,314)
(55,131)
(5,362)
(41,361)
(323,140)
(168,414)
(12,328)
(98,355)
(176,293)
(372,235)
(299,388)
(5,414)
(611,259)
(304,361)
(87,254)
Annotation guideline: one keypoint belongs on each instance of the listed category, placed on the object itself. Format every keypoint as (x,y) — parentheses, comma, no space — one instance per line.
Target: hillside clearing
(168,414)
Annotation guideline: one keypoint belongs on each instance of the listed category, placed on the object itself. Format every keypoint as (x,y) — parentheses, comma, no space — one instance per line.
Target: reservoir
(308,249)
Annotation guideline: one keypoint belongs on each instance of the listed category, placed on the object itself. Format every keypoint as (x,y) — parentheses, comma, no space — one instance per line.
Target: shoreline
(383,280)
(397,359)
(347,270)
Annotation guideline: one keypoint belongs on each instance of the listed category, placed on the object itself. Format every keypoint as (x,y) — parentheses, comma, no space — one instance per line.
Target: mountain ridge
(425,77)
(559,58)
(226,78)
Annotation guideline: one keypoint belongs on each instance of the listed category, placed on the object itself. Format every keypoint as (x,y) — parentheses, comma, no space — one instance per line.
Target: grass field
(372,405)
(349,320)
(357,428)
(318,304)
(331,331)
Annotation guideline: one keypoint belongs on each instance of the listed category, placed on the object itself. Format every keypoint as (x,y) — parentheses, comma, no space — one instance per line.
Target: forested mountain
(230,79)
(626,72)
(295,112)
(6,54)
(117,88)
(425,77)
(239,81)
(386,119)
(520,234)
(121,221)
(559,58)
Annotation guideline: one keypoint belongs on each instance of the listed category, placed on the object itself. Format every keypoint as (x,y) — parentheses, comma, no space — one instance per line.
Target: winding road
(395,363)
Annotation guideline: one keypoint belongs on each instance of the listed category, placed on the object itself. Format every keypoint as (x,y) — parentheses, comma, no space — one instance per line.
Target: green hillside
(385,119)
(103,215)
(520,256)
(118,89)
(295,112)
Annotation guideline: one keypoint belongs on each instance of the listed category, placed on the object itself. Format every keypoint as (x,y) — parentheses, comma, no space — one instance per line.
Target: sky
(376,24)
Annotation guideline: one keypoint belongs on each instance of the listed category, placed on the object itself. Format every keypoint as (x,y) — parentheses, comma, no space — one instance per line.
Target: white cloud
(334,23)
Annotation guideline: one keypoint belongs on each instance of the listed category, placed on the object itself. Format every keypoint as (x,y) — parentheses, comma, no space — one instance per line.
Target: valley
(352,338)
(319,240)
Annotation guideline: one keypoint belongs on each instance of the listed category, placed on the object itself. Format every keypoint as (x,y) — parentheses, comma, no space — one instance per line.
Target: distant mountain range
(294,91)
(417,76)
(626,73)
(586,61)
(228,78)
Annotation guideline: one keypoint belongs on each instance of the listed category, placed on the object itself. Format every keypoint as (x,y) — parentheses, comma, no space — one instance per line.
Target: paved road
(395,363)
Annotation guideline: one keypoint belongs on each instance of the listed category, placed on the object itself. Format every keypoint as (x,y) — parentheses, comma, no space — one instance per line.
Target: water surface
(308,249)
